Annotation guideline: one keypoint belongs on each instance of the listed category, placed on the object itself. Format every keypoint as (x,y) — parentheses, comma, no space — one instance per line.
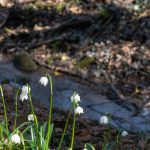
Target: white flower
(44,81)
(85,149)
(16,139)
(30,117)
(124,133)
(24,96)
(75,98)
(25,89)
(79,110)
(104,120)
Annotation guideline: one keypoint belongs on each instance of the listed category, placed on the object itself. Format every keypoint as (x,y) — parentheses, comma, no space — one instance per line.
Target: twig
(74,22)
(29,46)
(108,79)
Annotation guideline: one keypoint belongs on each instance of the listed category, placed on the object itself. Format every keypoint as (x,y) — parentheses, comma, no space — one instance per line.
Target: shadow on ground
(27,27)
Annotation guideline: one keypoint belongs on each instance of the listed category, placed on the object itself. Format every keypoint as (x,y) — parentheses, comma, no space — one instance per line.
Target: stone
(24,62)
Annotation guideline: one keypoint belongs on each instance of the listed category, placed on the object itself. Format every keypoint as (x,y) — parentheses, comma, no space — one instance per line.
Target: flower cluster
(25,89)
(24,93)
(75,98)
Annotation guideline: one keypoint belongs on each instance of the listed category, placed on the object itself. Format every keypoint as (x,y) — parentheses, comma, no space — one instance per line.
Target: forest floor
(87,131)
(98,41)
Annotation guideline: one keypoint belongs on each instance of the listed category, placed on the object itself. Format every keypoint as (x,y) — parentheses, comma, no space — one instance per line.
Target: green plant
(32,134)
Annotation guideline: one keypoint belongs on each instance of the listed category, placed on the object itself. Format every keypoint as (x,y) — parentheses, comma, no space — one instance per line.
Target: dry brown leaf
(84,134)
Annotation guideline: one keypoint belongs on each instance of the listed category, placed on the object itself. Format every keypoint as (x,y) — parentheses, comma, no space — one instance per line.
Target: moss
(23,61)
(41,4)
(104,12)
(53,58)
(5,81)
(56,46)
(50,60)
(60,7)
(85,62)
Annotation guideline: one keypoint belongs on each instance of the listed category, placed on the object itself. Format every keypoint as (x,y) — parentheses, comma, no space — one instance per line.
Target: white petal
(25,89)
(30,117)
(75,98)
(24,96)
(79,110)
(124,133)
(16,139)
(44,81)
(104,120)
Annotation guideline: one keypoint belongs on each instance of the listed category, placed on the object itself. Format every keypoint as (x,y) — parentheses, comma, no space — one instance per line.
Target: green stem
(16,108)
(35,118)
(117,145)
(22,140)
(5,112)
(65,128)
(51,102)
(32,109)
(10,148)
(106,136)
(50,110)
(1,132)
(24,148)
(73,131)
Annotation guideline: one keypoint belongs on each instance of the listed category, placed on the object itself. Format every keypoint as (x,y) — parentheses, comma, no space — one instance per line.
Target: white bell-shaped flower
(16,139)
(79,110)
(104,120)
(24,96)
(25,89)
(30,117)
(124,133)
(44,81)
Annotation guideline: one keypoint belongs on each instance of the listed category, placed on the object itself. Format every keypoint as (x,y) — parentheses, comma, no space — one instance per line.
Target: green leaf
(43,129)
(51,130)
(27,128)
(88,146)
